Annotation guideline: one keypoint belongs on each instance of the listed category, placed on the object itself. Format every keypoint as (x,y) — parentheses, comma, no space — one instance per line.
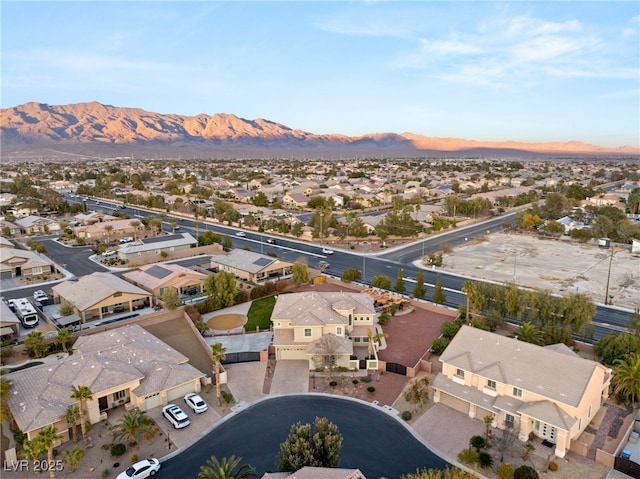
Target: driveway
(290,377)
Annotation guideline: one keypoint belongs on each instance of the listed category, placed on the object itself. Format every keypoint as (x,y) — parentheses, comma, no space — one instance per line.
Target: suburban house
(313,324)
(31,225)
(21,263)
(125,366)
(108,231)
(100,294)
(9,228)
(158,278)
(9,322)
(548,391)
(311,472)
(295,200)
(156,246)
(250,266)
(93,217)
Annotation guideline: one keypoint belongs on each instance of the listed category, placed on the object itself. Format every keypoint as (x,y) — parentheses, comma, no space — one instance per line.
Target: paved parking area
(290,377)
(245,380)
(241,343)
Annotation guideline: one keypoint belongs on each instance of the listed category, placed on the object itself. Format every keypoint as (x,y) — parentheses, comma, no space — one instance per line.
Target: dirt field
(560,266)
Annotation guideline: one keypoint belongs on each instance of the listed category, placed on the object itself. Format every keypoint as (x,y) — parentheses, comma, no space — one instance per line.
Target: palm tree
(82,394)
(5,387)
(529,333)
(47,437)
(196,225)
(72,458)
(131,425)
(174,224)
(108,229)
(218,354)
(626,377)
(72,415)
(64,338)
(469,288)
(30,451)
(374,338)
(35,344)
(135,224)
(228,468)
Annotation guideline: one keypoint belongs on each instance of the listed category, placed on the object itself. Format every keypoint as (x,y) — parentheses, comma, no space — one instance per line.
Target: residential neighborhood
(322,277)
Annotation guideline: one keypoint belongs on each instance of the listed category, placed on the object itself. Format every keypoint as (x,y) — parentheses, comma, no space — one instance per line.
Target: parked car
(12,304)
(141,469)
(109,252)
(41,297)
(176,416)
(327,251)
(196,403)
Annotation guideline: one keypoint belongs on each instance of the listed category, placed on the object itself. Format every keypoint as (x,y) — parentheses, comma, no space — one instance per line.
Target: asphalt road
(374,442)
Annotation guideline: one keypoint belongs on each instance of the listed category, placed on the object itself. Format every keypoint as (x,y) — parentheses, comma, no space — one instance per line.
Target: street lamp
(606,293)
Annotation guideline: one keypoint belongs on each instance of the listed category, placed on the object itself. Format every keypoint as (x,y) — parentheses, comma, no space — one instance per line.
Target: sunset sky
(489,71)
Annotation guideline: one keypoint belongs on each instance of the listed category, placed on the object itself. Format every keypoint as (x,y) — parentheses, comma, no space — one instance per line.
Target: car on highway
(141,469)
(176,416)
(195,402)
(323,265)
(271,241)
(242,234)
(327,251)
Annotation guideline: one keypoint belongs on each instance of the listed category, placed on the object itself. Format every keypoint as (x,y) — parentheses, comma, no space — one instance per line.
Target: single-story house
(100,294)
(250,266)
(8,227)
(21,263)
(108,231)
(9,322)
(31,225)
(156,246)
(313,324)
(93,217)
(125,366)
(158,278)
(548,391)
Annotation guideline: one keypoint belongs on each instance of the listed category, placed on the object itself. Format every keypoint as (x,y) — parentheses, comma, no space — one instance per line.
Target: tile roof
(543,371)
(243,260)
(148,276)
(316,308)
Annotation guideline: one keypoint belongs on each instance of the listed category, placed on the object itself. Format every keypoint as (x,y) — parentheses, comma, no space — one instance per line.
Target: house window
(37,270)
(338,330)
(509,420)
(491,384)
(517,392)
(307,332)
(119,395)
(460,372)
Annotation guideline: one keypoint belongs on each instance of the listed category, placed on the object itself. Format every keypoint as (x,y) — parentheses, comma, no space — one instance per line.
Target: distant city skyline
(487,71)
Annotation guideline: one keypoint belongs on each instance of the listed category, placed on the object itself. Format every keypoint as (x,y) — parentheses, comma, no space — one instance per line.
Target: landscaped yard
(259,314)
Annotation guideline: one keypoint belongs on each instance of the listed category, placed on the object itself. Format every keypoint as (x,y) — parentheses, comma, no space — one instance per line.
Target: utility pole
(606,293)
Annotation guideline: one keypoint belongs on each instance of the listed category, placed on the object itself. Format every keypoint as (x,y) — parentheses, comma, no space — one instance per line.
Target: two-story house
(548,391)
(312,324)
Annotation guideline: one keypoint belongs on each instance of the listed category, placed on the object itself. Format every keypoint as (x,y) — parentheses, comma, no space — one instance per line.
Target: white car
(109,252)
(241,234)
(141,469)
(196,403)
(176,416)
(41,297)
(327,251)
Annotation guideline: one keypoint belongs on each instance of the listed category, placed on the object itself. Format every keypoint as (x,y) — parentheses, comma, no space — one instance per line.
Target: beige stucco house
(250,266)
(100,294)
(311,472)
(548,391)
(20,263)
(312,324)
(158,278)
(150,248)
(126,366)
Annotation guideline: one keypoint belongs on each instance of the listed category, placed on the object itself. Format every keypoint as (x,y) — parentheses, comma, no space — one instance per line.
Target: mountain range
(94,127)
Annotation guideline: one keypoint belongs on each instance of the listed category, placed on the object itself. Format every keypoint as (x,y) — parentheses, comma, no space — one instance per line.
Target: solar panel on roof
(263,261)
(158,271)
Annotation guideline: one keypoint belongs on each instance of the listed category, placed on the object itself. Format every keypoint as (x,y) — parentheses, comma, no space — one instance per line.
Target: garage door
(481,413)
(179,392)
(454,402)
(152,401)
(297,354)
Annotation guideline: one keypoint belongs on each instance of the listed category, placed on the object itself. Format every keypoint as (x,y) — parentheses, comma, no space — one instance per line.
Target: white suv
(195,402)
(175,416)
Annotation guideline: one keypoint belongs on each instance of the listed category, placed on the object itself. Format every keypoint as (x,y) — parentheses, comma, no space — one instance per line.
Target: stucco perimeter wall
(183,253)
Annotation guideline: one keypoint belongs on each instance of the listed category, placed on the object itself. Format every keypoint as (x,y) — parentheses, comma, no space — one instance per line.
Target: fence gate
(397,368)
(244,357)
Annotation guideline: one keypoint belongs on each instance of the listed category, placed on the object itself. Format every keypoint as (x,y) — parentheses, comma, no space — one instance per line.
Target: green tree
(82,394)
(316,444)
(218,354)
(65,339)
(131,425)
(351,274)
(300,273)
(171,299)
(5,388)
(399,286)
(603,227)
(72,416)
(72,458)
(529,333)
(35,345)
(228,468)
(108,229)
(46,439)
(221,289)
(633,201)
(420,290)
(381,281)
(66,308)
(614,346)
(468,288)
(226,242)
(438,294)
(555,206)
(626,377)
(31,450)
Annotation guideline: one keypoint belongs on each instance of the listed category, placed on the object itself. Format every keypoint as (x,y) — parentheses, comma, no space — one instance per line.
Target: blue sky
(490,71)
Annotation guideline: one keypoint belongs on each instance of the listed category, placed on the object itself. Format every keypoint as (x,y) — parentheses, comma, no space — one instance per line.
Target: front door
(546,431)
(103,404)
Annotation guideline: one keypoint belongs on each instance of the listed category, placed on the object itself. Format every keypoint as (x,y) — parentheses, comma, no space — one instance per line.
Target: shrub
(439,345)
(468,456)
(478,442)
(355,381)
(505,471)
(106,473)
(134,458)
(525,472)
(553,466)
(485,459)
(227,396)
(333,384)
(366,379)
(371,389)
(118,450)
(406,415)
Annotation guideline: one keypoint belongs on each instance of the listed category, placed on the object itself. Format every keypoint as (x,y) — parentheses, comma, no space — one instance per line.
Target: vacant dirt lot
(560,266)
